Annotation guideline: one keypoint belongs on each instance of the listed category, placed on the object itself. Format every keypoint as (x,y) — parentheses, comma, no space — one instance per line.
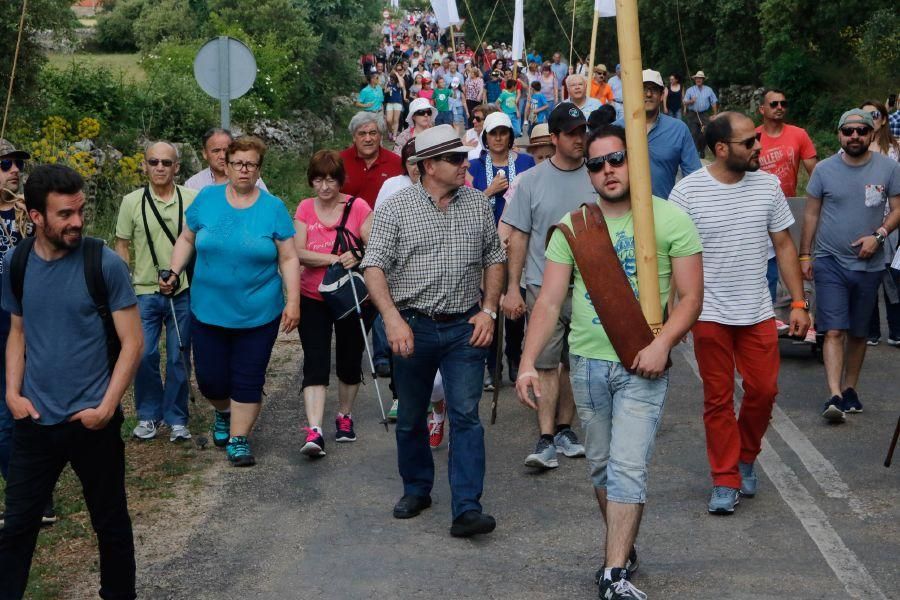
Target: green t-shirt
(676,236)
(130,226)
(442,99)
(507,102)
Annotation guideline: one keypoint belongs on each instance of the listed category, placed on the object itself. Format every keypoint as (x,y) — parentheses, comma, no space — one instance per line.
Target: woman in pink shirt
(316,221)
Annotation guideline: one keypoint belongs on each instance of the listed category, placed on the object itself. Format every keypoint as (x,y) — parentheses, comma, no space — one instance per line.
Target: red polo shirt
(366,182)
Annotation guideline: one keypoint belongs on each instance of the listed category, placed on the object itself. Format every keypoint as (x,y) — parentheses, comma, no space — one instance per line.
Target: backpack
(344,289)
(93,277)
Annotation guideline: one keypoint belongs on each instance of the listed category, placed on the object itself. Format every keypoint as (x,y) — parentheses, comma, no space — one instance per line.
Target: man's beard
(857,151)
(616,198)
(58,239)
(742,166)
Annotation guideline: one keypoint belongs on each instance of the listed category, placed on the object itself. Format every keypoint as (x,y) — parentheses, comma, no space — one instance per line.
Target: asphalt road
(826,523)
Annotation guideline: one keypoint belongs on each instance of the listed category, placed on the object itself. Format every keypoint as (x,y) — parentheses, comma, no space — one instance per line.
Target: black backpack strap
(96,285)
(17,267)
(336,248)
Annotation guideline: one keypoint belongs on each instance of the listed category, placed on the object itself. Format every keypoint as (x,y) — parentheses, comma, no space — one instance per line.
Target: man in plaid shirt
(431,246)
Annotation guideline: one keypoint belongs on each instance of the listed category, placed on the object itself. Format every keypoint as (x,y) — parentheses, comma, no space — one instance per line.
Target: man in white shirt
(215,144)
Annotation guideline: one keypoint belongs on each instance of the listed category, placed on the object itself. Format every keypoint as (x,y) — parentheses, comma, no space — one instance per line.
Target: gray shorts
(557,349)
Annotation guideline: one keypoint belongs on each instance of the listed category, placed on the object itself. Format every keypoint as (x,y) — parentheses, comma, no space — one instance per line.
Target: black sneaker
(833,412)
(49,515)
(472,522)
(344,426)
(851,402)
(631,565)
(383,369)
(488,382)
(619,588)
(513,374)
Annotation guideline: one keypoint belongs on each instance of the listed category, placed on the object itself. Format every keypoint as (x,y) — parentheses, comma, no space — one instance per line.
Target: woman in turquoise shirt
(246,264)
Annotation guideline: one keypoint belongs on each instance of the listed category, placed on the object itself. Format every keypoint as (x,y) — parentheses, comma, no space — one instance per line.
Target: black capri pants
(316,326)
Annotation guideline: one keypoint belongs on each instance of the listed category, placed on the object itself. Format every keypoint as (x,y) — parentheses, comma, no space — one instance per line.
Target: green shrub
(115,26)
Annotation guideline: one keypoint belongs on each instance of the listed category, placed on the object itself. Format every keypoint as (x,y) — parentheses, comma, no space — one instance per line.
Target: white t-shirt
(734,222)
(390,187)
(475,152)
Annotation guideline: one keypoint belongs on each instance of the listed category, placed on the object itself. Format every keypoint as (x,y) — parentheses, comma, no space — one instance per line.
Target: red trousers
(753,349)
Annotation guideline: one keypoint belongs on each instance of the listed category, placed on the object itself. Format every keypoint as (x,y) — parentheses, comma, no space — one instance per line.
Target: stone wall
(742,98)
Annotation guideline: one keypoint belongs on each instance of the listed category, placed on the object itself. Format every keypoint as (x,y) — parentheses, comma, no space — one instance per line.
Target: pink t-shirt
(781,155)
(320,238)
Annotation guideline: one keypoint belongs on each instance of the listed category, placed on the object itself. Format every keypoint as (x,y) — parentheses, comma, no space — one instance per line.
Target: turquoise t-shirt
(507,103)
(676,236)
(236,280)
(374,95)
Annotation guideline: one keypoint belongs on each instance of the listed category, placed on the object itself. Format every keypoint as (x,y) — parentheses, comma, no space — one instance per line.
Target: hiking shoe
(146,430)
(851,402)
(893,341)
(723,500)
(436,428)
(344,426)
(833,412)
(315,443)
(221,429)
(472,522)
(488,382)
(544,456)
(619,588)
(749,480)
(781,327)
(48,517)
(180,433)
(566,442)
(383,369)
(238,451)
(392,414)
(873,341)
(631,566)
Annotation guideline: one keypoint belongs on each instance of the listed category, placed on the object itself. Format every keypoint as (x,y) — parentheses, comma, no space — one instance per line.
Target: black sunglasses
(166,162)
(615,159)
(476,119)
(454,158)
(776,103)
(422,113)
(7,163)
(860,131)
(748,143)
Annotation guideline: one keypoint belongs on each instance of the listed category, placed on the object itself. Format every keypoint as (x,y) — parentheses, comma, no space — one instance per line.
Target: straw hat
(699,75)
(442,139)
(540,136)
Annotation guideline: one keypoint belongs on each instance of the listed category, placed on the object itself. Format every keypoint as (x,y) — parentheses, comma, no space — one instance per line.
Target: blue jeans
(772,277)
(6,419)
(154,400)
(620,415)
(381,351)
(443,345)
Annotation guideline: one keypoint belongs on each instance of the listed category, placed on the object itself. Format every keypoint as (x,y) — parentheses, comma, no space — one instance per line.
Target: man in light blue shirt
(669,140)
(560,68)
(615,82)
(700,105)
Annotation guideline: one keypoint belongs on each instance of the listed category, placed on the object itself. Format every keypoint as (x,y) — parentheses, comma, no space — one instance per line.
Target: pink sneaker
(344,426)
(436,425)
(810,336)
(781,327)
(315,443)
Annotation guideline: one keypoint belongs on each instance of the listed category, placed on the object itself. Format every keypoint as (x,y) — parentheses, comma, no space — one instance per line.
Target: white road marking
(852,574)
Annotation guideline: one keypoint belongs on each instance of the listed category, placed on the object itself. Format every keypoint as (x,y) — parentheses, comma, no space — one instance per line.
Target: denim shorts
(620,415)
(844,299)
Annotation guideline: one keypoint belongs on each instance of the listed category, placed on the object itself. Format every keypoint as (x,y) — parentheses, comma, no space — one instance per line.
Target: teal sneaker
(723,500)
(221,429)
(749,480)
(238,451)
(392,414)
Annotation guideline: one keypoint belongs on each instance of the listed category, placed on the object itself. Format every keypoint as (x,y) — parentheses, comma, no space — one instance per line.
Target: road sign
(225,69)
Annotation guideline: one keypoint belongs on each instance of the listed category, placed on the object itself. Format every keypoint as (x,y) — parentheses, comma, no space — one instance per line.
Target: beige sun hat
(442,139)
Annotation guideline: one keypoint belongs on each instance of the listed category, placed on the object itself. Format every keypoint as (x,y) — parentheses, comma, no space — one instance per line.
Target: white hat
(651,76)
(426,75)
(495,120)
(442,139)
(417,105)
(490,47)
(454,82)
(699,75)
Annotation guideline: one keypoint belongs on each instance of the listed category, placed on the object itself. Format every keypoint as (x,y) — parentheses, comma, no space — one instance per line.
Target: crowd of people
(465,222)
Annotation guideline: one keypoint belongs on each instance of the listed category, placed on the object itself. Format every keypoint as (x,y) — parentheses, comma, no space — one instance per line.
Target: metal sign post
(225,69)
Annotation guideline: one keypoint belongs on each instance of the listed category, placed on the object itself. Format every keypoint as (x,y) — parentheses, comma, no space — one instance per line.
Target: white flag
(446,13)
(606,8)
(518,41)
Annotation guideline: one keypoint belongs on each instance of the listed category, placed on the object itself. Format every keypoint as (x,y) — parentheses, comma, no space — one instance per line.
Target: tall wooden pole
(638,161)
(590,72)
(572,34)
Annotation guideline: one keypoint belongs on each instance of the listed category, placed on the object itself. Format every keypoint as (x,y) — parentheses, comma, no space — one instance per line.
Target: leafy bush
(115,26)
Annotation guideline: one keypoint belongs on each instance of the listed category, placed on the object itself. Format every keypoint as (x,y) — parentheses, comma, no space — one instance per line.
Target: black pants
(39,453)
(315,330)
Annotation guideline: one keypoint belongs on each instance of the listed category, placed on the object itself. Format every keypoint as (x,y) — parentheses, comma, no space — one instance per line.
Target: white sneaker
(810,336)
(179,433)
(781,327)
(145,430)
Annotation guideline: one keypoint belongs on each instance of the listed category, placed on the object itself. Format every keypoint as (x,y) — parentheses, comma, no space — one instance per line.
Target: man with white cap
(421,117)
(432,245)
(669,139)
(701,104)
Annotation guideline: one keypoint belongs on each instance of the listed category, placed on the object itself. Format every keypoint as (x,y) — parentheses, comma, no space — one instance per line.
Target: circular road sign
(225,68)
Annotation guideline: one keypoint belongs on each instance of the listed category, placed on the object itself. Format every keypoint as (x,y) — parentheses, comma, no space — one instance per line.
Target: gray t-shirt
(543,195)
(853,205)
(66,370)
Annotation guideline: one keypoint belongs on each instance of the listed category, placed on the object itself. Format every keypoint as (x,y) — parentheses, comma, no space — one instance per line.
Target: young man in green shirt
(619,405)
(442,103)
(150,219)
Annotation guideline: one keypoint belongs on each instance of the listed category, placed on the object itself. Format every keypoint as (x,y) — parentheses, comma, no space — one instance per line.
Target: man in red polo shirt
(366,163)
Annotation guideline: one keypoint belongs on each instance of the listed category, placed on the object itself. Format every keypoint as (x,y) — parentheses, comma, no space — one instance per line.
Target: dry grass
(126,64)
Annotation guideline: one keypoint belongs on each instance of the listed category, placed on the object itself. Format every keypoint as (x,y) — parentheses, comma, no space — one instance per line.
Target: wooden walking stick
(498,366)
(890,454)
(638,162)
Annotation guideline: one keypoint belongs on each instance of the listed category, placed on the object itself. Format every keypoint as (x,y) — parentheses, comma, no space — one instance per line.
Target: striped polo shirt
(734,222)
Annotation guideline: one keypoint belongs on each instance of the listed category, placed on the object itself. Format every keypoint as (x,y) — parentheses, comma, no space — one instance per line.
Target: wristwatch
(804,304)
(878,237)
(489,312)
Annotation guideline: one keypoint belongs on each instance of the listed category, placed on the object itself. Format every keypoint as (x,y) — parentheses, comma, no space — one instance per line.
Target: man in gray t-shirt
(544,194)
(852,204)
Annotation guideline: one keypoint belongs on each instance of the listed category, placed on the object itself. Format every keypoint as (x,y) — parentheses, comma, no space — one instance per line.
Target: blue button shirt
(671,146)
(705,98)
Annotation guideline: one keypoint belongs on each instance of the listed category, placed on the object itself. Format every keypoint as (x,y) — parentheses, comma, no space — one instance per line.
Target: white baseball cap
(651,76)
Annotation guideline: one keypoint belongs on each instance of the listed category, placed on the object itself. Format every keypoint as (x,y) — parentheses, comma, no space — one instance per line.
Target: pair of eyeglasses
(477,119)
(777,103)
(454,158)
(7,163)
(166,162)
(615,159)
(748,143)
(422,113)
(325,180)
(240,165)
(860,131)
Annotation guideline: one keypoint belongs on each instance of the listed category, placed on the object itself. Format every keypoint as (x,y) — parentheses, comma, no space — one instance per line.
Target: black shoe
(410,506)
(488,382)
(619,588)
(383,369)
(49,515)
(833,411)
(631,566)
(472,523)
(514,374)
(851,403)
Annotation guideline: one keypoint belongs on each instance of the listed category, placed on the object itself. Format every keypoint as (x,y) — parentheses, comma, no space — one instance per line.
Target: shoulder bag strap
(148,199)
(17,267)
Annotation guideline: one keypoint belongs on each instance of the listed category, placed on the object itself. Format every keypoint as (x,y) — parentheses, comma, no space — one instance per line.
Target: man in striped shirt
(737,208)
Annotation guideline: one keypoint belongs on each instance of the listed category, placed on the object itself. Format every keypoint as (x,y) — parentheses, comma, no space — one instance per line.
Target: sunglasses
(615,159)
(166,162)
(748,143)
(422,113)
(477,119)
(860,131)
(454,158)
(7,163)
(876,114)
(777,103)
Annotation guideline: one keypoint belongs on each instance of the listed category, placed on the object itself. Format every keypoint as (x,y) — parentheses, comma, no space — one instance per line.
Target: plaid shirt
(434,259)
(894,122)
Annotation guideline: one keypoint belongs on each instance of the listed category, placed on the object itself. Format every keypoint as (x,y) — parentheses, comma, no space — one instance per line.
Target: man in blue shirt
(701,105)
(615,82)
(669,139)
(560,68)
